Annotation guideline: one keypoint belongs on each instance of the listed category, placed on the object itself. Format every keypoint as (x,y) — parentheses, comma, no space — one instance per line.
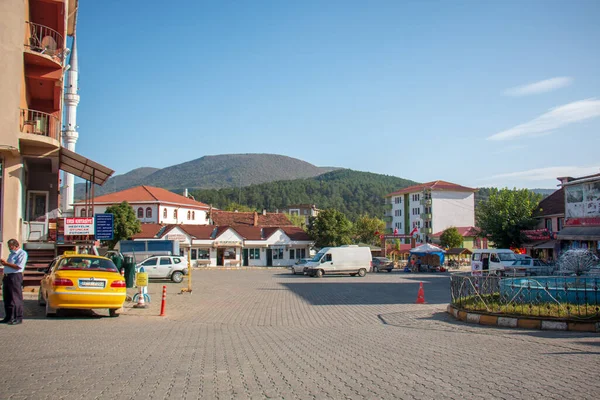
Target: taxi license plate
(88,283)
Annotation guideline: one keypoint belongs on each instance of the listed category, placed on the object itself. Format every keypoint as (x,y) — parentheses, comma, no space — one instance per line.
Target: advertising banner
(582,204)
(79,226)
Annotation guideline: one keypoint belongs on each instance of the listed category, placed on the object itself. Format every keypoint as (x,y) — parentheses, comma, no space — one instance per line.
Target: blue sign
(104,226)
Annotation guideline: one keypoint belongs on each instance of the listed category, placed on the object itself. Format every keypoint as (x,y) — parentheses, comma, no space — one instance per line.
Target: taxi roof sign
(69,253)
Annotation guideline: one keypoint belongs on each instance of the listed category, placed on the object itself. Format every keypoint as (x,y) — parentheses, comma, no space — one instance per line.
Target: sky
(479,93)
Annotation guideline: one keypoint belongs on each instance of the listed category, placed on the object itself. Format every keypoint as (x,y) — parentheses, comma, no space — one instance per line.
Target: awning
(82,167)
(580,233)
(550,244)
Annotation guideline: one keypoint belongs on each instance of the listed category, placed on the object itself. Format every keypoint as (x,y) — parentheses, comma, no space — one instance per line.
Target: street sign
(79,226)
(141,279)
(105,224)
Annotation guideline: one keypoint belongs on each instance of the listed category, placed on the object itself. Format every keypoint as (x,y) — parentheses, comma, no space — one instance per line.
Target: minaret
(70,134)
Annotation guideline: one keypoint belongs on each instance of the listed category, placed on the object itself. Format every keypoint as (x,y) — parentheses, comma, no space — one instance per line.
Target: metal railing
(40,123)
(572,297)
(45,40)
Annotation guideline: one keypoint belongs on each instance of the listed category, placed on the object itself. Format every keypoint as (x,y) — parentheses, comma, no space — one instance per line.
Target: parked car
(382,264)
(528,266)
(82,281)
(299,266)
(165,267)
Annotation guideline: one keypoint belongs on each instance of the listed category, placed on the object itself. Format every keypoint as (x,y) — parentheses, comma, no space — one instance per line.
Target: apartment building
(33,64)
(429,207)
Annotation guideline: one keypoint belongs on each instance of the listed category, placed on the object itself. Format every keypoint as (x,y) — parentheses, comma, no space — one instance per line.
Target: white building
(151,205)
(429,207)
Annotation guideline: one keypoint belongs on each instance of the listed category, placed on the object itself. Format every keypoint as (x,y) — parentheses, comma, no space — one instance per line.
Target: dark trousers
(12,295)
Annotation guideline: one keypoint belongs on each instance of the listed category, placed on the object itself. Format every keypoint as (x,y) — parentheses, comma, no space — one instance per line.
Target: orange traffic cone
(421,295)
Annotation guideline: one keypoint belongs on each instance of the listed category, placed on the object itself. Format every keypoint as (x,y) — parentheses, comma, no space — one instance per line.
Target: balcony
(426,216)
(45,41)
(426,231)
(426,202)
(39,128)
(387,218)
(388,206)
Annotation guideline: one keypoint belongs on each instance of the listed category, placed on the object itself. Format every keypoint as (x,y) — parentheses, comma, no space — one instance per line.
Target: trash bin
(129,266)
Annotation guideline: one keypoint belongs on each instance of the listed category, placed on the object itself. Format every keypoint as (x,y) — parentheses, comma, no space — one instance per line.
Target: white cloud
(544,86)
(544,174)
(555,118)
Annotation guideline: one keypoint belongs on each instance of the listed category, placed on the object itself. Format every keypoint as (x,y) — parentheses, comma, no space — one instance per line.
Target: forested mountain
(483,194)
(351,192)
(213,172)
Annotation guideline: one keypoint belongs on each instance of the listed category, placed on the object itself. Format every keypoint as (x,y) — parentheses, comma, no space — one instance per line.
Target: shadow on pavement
(321,292)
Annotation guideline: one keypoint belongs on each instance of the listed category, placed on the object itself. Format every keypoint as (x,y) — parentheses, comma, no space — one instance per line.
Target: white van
(352,259)
(493,261)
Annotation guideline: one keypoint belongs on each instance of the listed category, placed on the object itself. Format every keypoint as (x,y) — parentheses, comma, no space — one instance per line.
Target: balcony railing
(388,206)
(426,216)
(426,231)
(40,123)
(45,40)
(425,202)
(387,218)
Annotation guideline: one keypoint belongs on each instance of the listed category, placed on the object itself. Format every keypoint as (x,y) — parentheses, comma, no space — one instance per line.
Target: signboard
(104,226)
(141,279)
(69,253)
(178,237)
(582,203)
(79,226)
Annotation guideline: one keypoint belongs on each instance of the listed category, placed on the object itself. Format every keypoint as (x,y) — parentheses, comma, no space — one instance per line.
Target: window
(254,254)
(189,215)
(193,215)
(194,254)
(294,212)
(549,224)
(229,253)
(203,254)
(476,256)
(140,212)
(277,254)
(301,253)
(560,223)
(328,257)
(305,212)
(165,213)
(83,214)
(416,197)
(397,200)
(292,254)
(148,212)
(398,213)
(398,225)
(149,262)
(175,214)
(165,261)
(176,260)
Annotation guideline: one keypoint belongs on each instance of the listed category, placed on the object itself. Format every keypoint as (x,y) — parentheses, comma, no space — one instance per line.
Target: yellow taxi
(82,281)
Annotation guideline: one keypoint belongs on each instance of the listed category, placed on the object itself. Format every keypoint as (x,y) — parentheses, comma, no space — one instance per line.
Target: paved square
(268,334)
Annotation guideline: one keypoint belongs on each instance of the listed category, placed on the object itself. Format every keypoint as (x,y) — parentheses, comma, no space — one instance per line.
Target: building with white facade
(429,207)
(151,205)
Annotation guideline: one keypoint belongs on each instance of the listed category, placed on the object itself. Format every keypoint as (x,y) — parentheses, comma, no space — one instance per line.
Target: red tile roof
(465,231)
(202,232)
(147,194)
(552,205)
(149,231)
(234,219)
(437,186)
(249,232)
(295,233)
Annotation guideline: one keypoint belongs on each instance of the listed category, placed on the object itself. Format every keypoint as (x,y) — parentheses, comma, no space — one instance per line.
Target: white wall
(200,216)
(279,238)
(399,206)
(452,209)
(417,217)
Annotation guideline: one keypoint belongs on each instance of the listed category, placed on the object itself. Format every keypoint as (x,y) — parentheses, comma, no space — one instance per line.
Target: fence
(575,297)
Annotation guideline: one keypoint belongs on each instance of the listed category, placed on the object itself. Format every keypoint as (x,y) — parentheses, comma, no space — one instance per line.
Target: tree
(451,238)
(503,216)
(367,230)
(330,228)
(237,207)
(297,220)
(126,223)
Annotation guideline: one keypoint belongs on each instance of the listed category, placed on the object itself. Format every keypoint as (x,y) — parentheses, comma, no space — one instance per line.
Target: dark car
(382,264)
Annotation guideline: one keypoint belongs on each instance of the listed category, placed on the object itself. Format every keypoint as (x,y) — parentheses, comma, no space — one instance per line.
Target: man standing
(12,284)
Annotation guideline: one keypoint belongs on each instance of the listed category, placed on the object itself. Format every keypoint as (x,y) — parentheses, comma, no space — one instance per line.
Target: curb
(209,268)
(519,322)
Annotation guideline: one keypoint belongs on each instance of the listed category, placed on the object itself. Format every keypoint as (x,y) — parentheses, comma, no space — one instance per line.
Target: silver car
(298,267)
(165,267)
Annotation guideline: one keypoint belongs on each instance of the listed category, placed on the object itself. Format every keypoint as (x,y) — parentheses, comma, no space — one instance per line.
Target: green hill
(351,192)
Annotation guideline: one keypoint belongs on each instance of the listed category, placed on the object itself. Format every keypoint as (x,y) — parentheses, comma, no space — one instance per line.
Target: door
(220,256)
(150,267)
(37,215)
(245,257)
(269,257)
(165,267)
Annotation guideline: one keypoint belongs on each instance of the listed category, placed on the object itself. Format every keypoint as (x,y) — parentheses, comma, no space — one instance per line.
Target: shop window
(165,213)
(277,254)
(203,254)
(140,213)
(254,254)
(148,212)
(194,254)
(229,254)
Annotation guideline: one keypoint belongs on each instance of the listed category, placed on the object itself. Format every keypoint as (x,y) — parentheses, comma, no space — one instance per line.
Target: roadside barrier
(163,304)
(421,295)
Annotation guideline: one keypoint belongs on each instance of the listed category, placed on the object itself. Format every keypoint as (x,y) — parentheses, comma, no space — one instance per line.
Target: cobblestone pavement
(267,334)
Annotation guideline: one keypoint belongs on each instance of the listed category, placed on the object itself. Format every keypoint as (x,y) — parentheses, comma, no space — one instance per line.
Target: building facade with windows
(429,207)
(151,205)
(305,211)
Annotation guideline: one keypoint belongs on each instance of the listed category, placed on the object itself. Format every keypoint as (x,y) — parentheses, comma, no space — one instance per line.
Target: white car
(298,267)
(528,266)
(165,267)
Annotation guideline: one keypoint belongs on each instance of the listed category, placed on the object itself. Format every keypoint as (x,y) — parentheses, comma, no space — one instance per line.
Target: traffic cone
(421,295)
(141,303)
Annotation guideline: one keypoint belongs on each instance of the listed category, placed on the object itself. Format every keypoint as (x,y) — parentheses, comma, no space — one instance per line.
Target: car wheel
(362,272)
(177,277)
(41,301)
(112,312)
(319,273)
(50,312)
(375,269)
